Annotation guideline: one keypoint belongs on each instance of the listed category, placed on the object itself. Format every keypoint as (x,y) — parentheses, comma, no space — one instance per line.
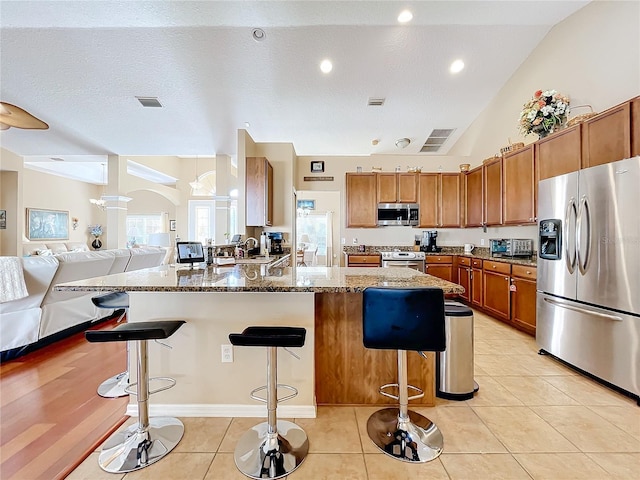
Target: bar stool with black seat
(275,448)
(115,386)
(404,319)
(149,439)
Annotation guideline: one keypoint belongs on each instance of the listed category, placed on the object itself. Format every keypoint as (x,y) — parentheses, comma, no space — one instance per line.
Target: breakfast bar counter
(334,367)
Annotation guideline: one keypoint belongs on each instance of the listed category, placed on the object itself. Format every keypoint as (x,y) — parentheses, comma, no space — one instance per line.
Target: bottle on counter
(263,243)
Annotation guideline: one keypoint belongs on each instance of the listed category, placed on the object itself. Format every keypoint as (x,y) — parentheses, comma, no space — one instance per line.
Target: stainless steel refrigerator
(588,300)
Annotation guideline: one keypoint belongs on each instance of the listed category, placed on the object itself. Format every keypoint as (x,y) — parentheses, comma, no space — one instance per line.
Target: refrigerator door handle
(571,262)
(583,211)
(582,310)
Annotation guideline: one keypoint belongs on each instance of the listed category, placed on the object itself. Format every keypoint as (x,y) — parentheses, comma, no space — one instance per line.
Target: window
(140,226)
(202,220)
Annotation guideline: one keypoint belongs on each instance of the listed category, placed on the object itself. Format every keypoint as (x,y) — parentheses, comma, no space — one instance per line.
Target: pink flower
(538,94)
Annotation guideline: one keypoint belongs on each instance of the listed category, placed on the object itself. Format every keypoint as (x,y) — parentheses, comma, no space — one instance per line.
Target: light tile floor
(533,418)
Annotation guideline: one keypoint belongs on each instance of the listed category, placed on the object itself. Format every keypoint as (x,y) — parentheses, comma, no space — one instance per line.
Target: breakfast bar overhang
(333,368)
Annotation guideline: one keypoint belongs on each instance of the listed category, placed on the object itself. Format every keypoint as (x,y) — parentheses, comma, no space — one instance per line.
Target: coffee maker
(276,243)
(429,241)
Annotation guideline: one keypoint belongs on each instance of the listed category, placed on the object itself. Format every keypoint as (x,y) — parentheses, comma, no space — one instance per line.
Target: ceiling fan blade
(12,116)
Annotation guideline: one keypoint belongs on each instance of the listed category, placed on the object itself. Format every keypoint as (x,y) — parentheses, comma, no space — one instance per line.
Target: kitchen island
(334,367)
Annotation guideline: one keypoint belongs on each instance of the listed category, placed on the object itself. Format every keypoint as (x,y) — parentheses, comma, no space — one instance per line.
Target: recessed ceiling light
(457,66)
(258,34)
(326,66)
(405,16)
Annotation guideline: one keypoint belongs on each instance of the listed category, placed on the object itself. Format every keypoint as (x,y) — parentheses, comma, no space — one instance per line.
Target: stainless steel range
(413,260)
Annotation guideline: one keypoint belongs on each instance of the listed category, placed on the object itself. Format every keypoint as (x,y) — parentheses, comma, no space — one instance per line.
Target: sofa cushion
(77,247)
(32,248)
(57,248)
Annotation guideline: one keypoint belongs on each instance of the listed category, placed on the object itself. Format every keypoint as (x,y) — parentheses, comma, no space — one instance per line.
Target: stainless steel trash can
(454,366)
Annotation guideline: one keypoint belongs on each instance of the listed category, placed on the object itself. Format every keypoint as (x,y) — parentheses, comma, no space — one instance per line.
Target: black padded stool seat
(116,385)
(404,319)
(151,438)
(154,330)
(112,300)
(275,448)
(269,337)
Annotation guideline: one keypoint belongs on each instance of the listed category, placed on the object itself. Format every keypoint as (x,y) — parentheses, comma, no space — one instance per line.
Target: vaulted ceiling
(80,65)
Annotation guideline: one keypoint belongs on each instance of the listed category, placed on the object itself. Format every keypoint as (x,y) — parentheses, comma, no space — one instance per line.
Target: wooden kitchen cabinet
(440,266)
(635,127)
(523,297)
(363,260)
(361,196)
(477,286)
(470,277)
(495,286)
(450,200)
(464,277)
(519,187)
(607,137)
(440,200)
(493,192)
(559,153)
(473,197)
(259,192)
(397,187)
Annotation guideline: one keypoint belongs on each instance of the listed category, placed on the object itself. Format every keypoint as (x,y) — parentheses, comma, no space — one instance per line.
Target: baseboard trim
(230,410)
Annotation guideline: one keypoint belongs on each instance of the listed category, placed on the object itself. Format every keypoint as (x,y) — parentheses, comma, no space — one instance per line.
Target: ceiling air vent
(375,102)
(437,138)
(149,102)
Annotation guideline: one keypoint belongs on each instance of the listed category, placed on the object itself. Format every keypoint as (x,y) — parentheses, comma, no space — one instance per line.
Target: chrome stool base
(260,454)
(415,439)
(135,447)
(115,386)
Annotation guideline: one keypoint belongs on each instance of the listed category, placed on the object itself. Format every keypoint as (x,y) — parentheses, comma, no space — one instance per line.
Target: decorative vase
(96,244)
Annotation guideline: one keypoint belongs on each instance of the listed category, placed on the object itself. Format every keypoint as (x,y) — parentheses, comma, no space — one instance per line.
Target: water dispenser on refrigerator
(550,240)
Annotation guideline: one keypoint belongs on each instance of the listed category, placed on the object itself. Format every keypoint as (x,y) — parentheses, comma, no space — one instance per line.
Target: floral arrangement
(546,111)
(95,230)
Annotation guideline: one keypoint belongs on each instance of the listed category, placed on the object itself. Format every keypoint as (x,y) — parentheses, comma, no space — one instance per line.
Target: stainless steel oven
(413,260)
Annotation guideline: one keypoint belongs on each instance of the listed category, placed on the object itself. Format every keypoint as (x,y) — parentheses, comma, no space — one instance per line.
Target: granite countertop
(259,278)
(479,252)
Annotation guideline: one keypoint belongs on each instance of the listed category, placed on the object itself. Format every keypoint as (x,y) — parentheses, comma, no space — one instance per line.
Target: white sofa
(46,312)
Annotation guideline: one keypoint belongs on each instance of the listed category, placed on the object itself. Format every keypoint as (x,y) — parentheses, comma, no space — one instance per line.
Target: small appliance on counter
(429,241)
(276,243)
(511,247)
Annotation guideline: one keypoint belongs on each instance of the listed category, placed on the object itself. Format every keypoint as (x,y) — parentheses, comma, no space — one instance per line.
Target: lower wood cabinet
(363,260)
(476,283)
(523,298)
(440,266)
(495,286)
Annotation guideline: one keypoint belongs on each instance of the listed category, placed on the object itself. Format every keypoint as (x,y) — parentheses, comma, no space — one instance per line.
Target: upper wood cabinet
(559,153)
(259,192)
(493,192)
(440,199)
(519,187)
(397,187)
(635,127)
(607,136)
(450,200)
(361,196)
(473,198)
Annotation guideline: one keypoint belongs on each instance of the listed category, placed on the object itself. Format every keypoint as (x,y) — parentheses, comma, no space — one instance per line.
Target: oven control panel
(399,255)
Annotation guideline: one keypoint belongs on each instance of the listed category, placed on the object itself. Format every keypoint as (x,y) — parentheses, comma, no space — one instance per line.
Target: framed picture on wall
(172,225)
(317,166)
(47,224)
(3,219)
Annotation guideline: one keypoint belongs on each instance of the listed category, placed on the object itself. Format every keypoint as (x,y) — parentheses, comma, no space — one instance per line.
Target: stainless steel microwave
(398,214)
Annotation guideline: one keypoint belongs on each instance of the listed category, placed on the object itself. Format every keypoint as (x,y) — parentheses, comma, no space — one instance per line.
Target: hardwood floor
(51,416)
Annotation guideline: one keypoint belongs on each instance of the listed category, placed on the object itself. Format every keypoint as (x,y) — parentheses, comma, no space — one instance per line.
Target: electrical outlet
(354,241)
(482,242)
(344,240)
(227,353)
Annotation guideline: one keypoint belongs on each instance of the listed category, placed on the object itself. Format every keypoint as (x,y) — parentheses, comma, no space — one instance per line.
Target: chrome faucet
(255,242)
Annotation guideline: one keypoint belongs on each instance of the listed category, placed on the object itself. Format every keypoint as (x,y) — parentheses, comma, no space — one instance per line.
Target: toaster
(511,247)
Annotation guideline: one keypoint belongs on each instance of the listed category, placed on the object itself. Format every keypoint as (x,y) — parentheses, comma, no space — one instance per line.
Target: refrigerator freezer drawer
(602,342)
